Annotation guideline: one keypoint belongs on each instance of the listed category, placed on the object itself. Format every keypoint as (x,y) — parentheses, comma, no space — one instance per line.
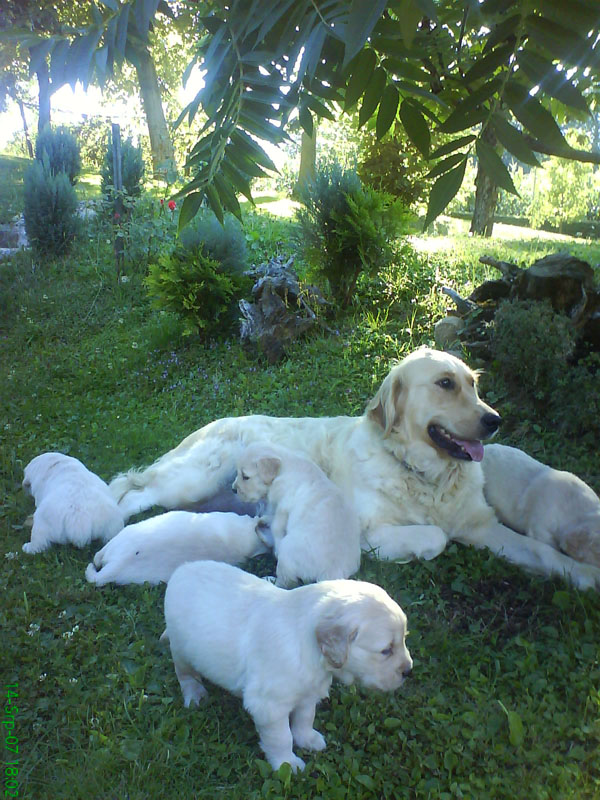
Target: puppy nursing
(316,533)
(278,649)
(152,550)
(550,505)
(73,506)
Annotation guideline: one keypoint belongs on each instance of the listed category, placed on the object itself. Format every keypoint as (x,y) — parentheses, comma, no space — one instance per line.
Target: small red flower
(162,201)
(172,205)
(117,216)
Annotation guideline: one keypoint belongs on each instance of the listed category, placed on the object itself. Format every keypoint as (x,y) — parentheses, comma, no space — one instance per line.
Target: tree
(462,69)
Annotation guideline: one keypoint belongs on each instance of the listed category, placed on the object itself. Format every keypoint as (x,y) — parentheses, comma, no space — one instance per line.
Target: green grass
(504,699)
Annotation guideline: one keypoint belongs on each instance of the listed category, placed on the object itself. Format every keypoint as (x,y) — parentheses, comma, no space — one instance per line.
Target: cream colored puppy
(73,506)
(278,649)
(316,533)
(550,505)
(152,550)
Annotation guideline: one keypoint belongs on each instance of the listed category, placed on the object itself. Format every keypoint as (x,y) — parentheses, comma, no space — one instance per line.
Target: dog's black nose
(406,672)
(491,421)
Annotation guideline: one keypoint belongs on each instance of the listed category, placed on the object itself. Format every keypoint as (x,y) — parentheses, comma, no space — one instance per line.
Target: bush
(59,152)
(196,288)
(225,243)
(132,170)
(50,210)
(346,229)
(531,344)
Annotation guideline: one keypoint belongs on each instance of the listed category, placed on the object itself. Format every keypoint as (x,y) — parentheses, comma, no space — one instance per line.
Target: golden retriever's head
(257,468)
(361,633)
(431,397)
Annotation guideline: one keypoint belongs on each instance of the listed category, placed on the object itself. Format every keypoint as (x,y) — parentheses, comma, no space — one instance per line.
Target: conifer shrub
(59,152)
(50,209)
(346,229)
(132,170)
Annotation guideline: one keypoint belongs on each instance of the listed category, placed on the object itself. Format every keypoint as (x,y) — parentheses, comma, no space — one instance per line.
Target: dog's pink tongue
(474,449)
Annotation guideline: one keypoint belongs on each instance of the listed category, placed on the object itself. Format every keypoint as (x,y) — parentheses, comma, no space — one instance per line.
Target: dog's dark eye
(388,651)
(244,477)
(446,383)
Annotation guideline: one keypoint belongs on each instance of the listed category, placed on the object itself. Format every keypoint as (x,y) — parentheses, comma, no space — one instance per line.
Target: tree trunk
(25,128)
(163,155)
(308,160)
(45,92)
(486,194)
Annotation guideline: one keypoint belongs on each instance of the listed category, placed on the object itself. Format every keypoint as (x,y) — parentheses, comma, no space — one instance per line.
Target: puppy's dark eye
(388,651)
(446,383)
(244,477)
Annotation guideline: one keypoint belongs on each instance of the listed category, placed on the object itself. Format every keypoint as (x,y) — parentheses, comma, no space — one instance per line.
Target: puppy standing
(279,650)
(73,506)
(152,550)
(550,505)
(315,531)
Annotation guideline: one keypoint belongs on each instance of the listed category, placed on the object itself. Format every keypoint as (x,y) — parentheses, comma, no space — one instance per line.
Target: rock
(446,331)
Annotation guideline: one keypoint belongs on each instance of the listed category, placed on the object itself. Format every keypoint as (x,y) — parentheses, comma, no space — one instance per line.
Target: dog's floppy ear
(385,407)
(268,468)
(334,639)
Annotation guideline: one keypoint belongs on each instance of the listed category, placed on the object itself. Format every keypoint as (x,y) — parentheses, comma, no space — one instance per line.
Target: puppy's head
(431,398)
(257,468)
(40,469)
(361,633)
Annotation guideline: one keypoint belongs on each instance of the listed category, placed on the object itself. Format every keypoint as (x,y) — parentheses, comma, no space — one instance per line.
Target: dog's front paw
(586,576)
(310,740)
(295,763)
(31,548)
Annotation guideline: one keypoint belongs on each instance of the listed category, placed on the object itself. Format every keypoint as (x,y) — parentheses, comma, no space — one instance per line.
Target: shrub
(225,243)
(346,229)
(50,210)
(132,170)
(59,152)
(196,288)
(531,344)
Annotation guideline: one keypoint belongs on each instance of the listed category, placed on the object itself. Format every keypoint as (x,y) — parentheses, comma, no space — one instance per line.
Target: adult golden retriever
(411,465)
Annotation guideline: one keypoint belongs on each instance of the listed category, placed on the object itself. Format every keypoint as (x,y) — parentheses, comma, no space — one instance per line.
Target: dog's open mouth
(464,449)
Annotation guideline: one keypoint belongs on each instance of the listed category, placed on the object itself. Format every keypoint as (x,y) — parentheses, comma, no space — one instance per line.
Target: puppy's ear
(334,639)
(268,468)
(386,407)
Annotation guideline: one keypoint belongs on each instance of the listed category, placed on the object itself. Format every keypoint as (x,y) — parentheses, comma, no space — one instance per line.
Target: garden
(104,363)
(156,280)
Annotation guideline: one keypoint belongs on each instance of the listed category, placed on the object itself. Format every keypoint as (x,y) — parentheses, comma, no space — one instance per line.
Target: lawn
(504,699)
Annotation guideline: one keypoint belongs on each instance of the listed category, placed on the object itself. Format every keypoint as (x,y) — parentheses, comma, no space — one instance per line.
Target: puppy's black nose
(406,672)
(491,421)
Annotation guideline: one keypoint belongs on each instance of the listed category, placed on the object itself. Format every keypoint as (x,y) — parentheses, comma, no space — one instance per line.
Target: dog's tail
(133,479)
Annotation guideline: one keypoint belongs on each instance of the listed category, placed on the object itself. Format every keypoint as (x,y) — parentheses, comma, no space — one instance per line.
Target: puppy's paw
(31,548)
(309,740)
(193,692)
(295,763)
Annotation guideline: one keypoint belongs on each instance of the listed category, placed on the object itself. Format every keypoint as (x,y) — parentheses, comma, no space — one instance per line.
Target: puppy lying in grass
(278,649)
(73,506)
(550,505)
(316,533)
(152,550)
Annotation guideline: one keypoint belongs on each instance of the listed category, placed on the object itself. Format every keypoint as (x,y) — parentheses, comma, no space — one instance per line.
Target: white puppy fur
(410,465)
(316,534)
(548,504)
(152,550)
(279,649)
(73,506)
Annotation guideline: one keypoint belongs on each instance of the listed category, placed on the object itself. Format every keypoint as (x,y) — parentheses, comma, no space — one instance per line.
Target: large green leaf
(489,63)
(455,144)
(189,208)
(492,165)
(361,21)
(360,76)
(532,115)
(415,126)
(445,165)
(443,190)
(388,108)
(557,39)
(306,120)
(543,73)
(372,96)
(409,15)
(513,140)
